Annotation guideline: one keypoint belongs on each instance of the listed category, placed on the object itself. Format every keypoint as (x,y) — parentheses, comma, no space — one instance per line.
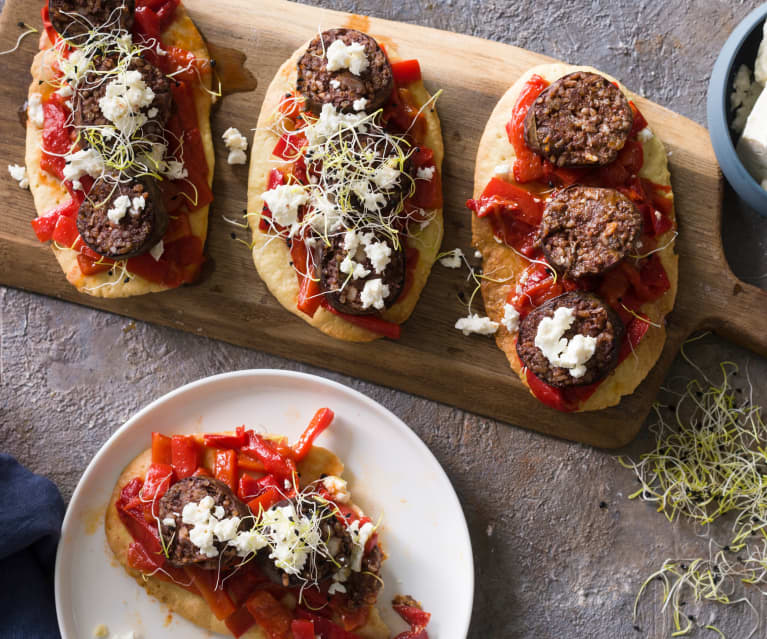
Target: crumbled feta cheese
(645,135)
(209,526)
(123,100)
(359,104)
(170,522)
(359,536)
(347,56)
(73,67)
(284,202)
(66,91)
(157,250)
(290,537)
(35,110)
(355,269)
(425,173)
(336,587)
(237,145)
(174,170)
(371,200)
(19,173)
(752,146)
(473,323)
(374,293)
(119,209)
(83,162)
(743,97)
(379,254)
(331,123)
(248,542)
(152,113)
(453,260)
(386,176)
(338,488)
(325,216)
(478,254)
(571,354)
(502,170)
(510,318)
(335,83)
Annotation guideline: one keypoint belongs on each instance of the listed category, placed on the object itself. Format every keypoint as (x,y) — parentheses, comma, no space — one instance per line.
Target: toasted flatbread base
(272,256)
(48,191)
(183,602)
(500,261)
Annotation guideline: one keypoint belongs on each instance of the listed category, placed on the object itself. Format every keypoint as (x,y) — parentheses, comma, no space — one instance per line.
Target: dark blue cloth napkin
(31,511)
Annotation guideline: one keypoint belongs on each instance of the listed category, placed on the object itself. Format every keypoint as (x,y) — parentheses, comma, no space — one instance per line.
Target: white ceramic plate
(391,473)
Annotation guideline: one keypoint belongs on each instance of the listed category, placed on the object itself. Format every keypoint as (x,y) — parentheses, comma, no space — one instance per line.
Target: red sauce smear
(255,468)
(182,257)
(515,209)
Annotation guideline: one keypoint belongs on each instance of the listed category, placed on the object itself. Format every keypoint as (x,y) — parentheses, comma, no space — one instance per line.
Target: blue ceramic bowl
(741,48)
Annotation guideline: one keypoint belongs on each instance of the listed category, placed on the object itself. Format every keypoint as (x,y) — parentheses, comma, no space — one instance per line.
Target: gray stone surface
(550,562)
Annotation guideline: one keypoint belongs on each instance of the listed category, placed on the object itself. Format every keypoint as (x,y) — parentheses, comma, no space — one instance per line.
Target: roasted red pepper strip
(258,448)
(273,617)
(240,622)
(270,496)
(321,420)
(47,25)
(218,601)
(406,71)
(219,440)
(309,292)
(159,478)
(160,449)
(185,455)
(130,509)
(302,629)
(43,226)
(324,627)
(368,322)
(249,487)
(528,165)
(65,232)
(225,467)
(146,24)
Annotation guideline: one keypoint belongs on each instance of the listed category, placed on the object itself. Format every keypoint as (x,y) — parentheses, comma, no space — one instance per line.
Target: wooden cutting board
(432,359)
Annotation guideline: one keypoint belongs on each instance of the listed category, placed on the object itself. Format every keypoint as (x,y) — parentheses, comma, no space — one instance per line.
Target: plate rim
(370,403)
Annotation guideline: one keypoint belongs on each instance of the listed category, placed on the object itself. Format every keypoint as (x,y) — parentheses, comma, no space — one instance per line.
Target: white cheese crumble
(502,170)
(379,254)
(510,318)
(645,135)
(157,250)
(124,99)
(347,56)
(331,122)
(237,145)
(80,163)
(425,173)
(571,354)
(19,173)
(453,260)
(360,537)
(372,200)
(209,526)
(360,104)
(355,269)
(290,537)
(175,170)
(284,202)
(386,176)
(743,97)
(335,83)
(35,110)
(170,522)
(124,204)
(752,146)
(473,323)
(66,91)
(374,293)
(338,488)
(478,254)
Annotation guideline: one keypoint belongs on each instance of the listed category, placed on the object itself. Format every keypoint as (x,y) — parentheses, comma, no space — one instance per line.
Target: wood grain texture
(432,359)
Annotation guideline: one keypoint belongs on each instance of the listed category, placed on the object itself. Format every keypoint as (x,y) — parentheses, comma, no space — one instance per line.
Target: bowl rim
(719,128)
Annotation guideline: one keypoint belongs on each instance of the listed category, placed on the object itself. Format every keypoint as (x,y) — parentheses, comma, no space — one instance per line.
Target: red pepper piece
(130,509)
(248,463)
(65,232)
(289,146)
(302,628)
(55,138)
(244,582)
(309,293)
(249,487)
(321,420)
(428,193)
(225,467)
(324,627)
(413,615)
(406,71)
(276,178)
(43,226)
(549,395)
(218,601)
(258,448)
(139,559)
(270,614)
(226,440)
(528,165)
(183,97)
(240,621)
(159,477)
(146,24)
(160,449)
(47,25)
(270,496)
(89,266)
(368,322)
(185,455)
(639,120)
(201,472)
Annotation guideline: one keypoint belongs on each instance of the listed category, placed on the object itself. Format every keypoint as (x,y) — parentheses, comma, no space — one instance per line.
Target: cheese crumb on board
(474,323)
(19,173)
(237,145)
